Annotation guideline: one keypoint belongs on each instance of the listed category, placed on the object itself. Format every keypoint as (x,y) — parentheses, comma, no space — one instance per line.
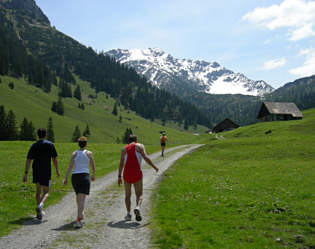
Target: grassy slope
(30,102)
(250,190)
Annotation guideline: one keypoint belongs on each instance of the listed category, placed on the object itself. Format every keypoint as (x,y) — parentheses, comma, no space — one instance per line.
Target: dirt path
(105,210)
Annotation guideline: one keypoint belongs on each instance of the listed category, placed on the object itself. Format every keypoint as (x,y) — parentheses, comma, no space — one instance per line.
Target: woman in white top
(80,161)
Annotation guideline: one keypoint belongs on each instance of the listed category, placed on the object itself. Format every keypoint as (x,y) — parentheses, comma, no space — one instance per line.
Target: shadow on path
(123,224)
(27,221)
(66,227)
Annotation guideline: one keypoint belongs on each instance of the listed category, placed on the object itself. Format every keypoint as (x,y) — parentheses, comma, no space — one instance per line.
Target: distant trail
(105,210)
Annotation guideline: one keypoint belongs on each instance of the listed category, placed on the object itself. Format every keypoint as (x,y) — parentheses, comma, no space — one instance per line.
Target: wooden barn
(274,111)
(226,125)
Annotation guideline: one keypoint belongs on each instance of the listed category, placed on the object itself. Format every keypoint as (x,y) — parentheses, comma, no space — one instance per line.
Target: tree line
(63,54)
(17,62)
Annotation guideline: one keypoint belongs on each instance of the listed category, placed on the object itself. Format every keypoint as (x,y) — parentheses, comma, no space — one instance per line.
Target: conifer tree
(125,138)
(3,123)
(76,134)
(31,131)
(86,132)
(23,130)
(186,124)
(64,89)
(77,93)
(115,112)
(50,130)
(11,126)
(54,106)
(60,107)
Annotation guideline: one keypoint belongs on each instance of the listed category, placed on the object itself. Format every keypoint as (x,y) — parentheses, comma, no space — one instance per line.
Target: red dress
(132,170)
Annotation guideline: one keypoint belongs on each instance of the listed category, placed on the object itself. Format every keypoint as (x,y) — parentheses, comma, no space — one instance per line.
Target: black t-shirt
(41,152)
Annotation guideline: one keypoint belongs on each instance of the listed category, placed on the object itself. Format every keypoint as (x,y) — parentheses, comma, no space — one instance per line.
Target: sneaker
(137,213)
(39,213)
(78,224)
(128,217)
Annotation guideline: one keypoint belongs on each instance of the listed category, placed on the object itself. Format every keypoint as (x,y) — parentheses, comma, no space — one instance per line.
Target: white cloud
(296,15)
(308,68)
(272,64)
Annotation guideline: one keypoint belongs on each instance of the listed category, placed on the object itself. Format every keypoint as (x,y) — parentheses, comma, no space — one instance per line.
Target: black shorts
(163,144)
(81,183)
(43,178)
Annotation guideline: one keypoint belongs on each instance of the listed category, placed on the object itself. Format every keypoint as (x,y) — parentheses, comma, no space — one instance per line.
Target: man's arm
(140,148)
(54,159)
(121,165)
(27,166)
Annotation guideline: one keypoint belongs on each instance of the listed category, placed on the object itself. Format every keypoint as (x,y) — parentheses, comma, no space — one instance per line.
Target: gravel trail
(105,226)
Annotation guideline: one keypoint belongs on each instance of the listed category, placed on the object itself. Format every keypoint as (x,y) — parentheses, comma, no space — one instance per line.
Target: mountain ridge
(166,71)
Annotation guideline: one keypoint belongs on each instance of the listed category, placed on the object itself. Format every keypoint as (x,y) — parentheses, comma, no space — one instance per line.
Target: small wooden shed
(226,125)
(274,111)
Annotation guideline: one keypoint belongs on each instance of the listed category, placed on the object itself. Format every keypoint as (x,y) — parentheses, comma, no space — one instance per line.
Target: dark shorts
(43,178)
(163,144)
(81,183)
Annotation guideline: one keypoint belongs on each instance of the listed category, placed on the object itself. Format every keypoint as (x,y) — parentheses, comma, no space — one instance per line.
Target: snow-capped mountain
(165,71)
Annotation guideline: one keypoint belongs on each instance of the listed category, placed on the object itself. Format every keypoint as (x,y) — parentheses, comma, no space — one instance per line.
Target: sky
(270,40)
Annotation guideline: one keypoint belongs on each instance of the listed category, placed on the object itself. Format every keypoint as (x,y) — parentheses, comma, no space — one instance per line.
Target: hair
(132,138)
(41,132)
(82,142)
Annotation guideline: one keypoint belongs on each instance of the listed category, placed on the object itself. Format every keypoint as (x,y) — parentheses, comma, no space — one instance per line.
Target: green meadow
(28,101)
(246,190)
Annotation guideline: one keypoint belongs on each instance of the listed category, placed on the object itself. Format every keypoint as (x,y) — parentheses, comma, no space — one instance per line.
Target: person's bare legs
(40,199)
(39,190)
(38,193)
(127,196)
(80,203)
(139,191)
(163,147)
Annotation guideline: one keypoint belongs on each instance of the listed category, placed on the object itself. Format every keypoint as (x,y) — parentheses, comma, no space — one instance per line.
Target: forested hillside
(65,56)
(301,91)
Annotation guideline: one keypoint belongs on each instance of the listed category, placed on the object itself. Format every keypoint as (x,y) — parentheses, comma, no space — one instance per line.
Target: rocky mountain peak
(165,71)
(28,7)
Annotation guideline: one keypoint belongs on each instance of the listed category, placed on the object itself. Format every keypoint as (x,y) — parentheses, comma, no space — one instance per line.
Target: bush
(11,85)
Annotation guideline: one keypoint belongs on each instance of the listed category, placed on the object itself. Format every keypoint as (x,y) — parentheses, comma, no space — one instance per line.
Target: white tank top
(81,162)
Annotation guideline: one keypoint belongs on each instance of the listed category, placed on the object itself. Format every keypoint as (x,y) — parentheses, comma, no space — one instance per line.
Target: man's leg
(127,195)
(45,194)
(38,193)
(139,191)
(163,147)
(40,200)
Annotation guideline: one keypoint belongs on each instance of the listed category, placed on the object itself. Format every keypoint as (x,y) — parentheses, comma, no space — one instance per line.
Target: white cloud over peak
(296,15)
(308,68)
(272,64)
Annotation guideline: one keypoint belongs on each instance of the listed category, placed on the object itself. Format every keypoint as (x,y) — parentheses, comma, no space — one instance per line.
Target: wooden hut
(274,111)
(226,125)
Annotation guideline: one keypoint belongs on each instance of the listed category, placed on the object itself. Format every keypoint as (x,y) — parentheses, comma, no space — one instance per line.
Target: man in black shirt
(41,153)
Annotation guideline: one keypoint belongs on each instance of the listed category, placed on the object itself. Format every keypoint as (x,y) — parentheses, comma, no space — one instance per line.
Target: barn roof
(283,108)
(226,124)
